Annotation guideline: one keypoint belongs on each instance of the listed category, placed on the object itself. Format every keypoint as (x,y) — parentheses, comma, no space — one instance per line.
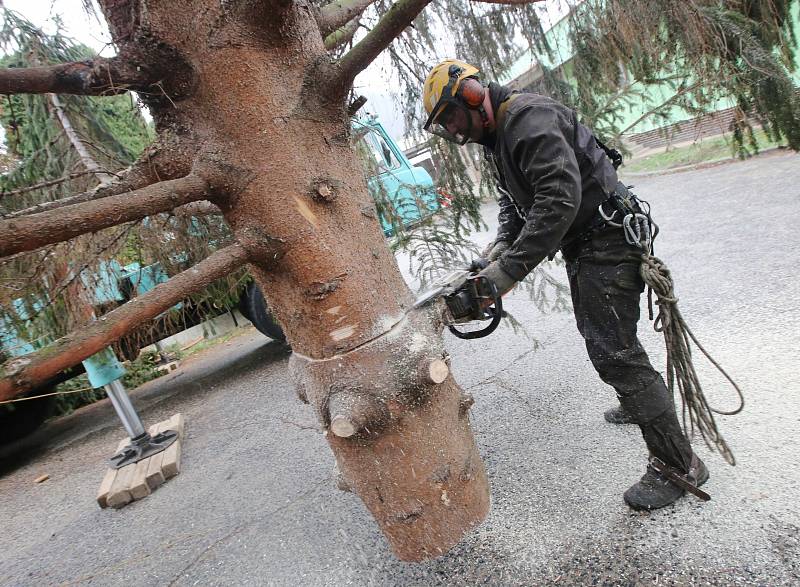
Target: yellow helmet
(442,85)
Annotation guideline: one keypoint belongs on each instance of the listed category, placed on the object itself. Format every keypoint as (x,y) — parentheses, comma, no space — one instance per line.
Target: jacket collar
(497,95)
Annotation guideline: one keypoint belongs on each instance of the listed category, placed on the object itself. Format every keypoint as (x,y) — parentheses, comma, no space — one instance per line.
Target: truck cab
(403,194)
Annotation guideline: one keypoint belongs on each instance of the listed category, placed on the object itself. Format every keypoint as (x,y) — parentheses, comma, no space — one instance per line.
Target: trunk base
(421,478)
(399,427)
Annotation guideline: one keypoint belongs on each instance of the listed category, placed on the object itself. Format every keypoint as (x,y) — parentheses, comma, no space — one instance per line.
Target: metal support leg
(122,404)
(142,444)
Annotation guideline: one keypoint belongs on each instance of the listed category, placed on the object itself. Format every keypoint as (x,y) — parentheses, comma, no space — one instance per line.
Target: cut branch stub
(353,413)
(401,439)
(435,371)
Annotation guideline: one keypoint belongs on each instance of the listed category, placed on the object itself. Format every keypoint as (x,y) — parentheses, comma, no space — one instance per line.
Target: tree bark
(101,76)
(37,230)
(24,373)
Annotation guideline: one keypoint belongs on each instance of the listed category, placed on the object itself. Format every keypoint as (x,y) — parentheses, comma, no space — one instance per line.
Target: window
(382,152)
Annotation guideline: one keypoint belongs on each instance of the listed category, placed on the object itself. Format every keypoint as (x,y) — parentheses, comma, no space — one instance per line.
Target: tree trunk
(275,149)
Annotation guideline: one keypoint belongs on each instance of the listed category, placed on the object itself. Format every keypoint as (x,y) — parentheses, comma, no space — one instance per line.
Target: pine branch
(36,230)
(45,184)
(390,26)
(90,78)
(86,158)
(24,373)
(338,13)
(399,16)
(341,36)
(140,174)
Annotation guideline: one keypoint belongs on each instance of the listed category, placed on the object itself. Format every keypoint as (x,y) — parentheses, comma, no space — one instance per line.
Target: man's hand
(491,253)
(502,280)
(478,265)
(494,250)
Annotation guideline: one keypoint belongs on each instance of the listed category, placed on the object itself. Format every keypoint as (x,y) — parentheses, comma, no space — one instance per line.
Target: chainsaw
(467,296)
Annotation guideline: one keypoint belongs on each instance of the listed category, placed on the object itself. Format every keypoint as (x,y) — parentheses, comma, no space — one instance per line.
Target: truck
(404,195)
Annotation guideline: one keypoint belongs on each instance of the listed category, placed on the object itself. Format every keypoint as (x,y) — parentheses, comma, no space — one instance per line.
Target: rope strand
(680,367)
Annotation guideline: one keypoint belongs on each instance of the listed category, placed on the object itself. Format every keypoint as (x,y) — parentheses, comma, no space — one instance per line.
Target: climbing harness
(631,214)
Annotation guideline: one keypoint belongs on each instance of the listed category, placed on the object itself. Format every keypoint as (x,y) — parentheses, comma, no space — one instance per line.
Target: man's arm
(509,220)
(540,140)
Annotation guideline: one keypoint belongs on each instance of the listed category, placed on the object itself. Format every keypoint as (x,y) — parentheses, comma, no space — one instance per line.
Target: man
(555,180)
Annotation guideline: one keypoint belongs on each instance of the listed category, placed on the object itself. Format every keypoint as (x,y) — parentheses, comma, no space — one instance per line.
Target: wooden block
(154,475)
(139,487)
(172,456)
(108,480)
(176,423)
(120,494)
(105,487)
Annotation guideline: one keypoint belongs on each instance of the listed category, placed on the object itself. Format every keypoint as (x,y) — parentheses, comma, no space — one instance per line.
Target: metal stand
(142,444)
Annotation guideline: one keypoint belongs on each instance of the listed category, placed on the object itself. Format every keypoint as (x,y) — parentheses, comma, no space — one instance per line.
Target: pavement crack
(301,426)
(492,377)
(238,529)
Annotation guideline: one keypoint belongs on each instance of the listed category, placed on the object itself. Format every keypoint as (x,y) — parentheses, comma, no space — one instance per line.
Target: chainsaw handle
(496,311)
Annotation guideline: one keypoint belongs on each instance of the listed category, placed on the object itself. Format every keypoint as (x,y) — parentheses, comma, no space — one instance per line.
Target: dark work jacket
(551,173)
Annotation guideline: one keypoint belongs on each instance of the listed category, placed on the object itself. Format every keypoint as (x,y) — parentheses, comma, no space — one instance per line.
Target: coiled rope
(680,367)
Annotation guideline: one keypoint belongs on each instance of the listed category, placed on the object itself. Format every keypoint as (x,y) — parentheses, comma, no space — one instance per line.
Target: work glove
(495,249)
(502,280)
(491,253)
(478,265)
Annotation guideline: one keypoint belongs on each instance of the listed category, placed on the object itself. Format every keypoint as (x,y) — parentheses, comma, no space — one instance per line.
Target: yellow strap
(501,110)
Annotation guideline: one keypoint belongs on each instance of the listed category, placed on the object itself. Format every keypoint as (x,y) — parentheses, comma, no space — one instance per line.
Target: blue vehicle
(404,195)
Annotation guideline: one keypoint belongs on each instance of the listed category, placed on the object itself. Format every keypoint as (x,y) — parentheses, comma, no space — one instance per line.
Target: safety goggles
(450,114)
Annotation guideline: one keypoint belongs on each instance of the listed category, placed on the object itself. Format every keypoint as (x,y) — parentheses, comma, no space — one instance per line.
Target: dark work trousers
(606,289)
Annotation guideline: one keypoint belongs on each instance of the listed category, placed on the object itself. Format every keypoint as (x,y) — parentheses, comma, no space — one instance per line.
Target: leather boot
(655,412)
(618,415)
(654,490)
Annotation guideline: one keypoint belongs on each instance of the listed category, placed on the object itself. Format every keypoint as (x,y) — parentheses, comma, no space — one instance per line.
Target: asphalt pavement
(255,503)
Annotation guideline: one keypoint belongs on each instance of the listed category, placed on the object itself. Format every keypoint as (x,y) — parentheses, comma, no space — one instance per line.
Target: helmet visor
(452,121)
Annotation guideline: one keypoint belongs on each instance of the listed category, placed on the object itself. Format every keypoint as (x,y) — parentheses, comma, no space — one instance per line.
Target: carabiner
(637,231)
